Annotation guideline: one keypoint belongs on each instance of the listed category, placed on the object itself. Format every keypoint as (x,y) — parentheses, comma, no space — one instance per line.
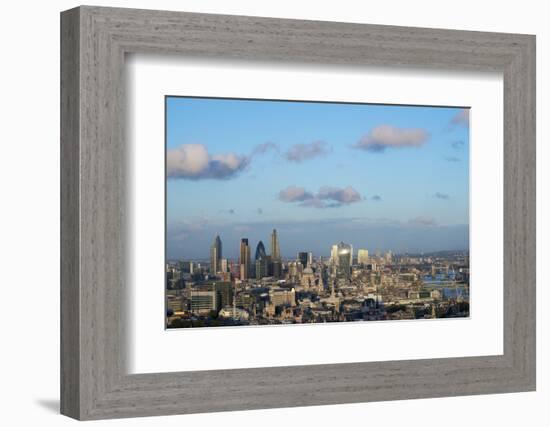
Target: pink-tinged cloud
(462,117)
(326,197)
(294,194)
(385,136)
(345,195)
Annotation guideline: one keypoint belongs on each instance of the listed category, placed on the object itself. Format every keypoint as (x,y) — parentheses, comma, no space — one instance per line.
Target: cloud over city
(385,136)
(193,161)
(462,118)
(295,194)
(326,197)
(301,152)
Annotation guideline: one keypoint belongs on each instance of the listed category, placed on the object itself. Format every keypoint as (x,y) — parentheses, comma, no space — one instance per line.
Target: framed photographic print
(312,267)
(350,209)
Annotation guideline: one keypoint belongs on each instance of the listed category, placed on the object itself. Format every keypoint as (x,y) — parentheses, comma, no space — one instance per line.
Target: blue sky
(379,176)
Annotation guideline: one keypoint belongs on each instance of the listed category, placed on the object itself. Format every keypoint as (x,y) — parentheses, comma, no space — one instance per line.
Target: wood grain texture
(70,220)
(94,381)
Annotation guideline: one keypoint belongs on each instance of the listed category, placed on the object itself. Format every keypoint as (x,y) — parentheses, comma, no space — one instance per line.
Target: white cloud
(386,136)
(192,161)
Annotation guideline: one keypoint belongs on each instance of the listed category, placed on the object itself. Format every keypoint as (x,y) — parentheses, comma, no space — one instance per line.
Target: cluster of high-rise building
(264,288)
(248,267)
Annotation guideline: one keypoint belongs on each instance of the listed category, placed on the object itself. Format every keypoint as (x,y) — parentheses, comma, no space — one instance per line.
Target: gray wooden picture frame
(94,41)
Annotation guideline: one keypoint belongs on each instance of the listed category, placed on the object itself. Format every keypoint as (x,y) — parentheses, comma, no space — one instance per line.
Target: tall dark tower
(275,255)
(275,252)
(303,258)
(261,261)
(244,259)
(215,255)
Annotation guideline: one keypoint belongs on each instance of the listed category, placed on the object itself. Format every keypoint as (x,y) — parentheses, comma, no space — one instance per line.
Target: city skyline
(377,176)
(349,286)
(254,246)
(248,268)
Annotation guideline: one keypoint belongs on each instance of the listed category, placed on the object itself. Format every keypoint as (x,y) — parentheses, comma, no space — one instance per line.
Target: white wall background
(29,216)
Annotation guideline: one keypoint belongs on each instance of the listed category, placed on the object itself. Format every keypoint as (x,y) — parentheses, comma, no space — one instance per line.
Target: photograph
(298,212)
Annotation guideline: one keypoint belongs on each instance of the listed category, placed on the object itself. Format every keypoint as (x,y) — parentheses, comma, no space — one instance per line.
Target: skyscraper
(303,258)
(260,261)
(224,265)
(362,256)
(334,254)
(275,251)
(244,259)
(215,255)
(260,251)
(276,269)
(263,265)
(275,255)
(344,259)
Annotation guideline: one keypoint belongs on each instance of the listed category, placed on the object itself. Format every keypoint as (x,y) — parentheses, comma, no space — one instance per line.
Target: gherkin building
(260,251)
